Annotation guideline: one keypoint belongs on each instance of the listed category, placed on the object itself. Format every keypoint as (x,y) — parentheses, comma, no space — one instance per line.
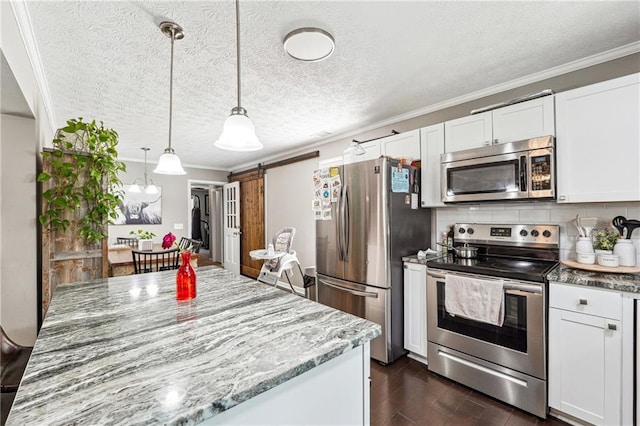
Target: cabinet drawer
(607,304)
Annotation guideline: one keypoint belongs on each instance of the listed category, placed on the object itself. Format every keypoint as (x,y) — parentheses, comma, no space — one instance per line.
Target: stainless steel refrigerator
(359,251)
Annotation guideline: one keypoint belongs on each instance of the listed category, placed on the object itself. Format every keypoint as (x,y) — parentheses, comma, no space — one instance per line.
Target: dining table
(121,259)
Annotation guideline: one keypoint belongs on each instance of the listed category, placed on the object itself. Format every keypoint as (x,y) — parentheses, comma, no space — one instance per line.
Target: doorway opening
(206,219)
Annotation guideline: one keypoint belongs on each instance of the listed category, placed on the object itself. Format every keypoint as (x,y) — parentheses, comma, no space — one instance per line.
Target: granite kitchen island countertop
(124,351)
(629,283)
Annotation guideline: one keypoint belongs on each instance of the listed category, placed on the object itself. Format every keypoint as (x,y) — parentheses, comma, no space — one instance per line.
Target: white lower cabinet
(415,311)
(586,353)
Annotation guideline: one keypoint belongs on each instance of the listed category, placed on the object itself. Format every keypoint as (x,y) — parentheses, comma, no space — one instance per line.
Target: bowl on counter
(586,258)
(609,260)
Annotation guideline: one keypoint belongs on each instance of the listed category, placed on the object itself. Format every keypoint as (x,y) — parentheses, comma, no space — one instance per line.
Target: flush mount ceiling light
(309,44)
(149,186)
(169,163)
(238,133)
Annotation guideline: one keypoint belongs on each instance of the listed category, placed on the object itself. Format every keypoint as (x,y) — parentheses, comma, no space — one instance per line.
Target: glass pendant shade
(135,188)
(169,164)
(238,133)
(151,189)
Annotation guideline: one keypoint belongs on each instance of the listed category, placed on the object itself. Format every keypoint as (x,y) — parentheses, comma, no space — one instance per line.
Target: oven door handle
(525,288)
(507,285)
(349,290)
(435,275)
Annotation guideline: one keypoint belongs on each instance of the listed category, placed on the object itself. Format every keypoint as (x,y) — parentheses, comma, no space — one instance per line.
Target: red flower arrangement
(167,240)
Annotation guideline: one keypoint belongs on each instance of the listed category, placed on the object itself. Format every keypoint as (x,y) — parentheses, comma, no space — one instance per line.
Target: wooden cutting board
(603,269)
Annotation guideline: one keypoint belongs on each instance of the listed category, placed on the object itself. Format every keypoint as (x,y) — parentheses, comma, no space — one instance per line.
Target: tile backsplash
(538,212)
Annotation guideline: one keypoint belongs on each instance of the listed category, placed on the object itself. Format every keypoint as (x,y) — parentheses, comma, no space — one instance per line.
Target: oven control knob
(535,233)
(461,231)
(524,233)
(470,231)
(546,233)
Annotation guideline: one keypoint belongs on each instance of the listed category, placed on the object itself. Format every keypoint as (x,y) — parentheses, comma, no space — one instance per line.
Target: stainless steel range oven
(506,361)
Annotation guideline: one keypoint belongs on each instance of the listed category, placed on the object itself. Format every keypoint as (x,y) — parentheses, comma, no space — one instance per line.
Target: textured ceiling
(109,61)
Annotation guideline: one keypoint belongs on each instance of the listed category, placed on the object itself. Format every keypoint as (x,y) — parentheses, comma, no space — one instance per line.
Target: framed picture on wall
(140,208)
(206,204)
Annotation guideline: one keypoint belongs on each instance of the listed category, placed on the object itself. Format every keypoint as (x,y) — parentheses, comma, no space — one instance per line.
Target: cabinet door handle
(487,143)
(583,302)
(612,326)
(562,198)
(495,141)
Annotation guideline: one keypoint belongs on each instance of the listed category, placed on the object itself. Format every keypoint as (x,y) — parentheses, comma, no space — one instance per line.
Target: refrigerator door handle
(347,223)
(340,224)
(349,290)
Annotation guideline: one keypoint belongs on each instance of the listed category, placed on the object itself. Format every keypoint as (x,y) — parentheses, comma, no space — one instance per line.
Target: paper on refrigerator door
(399,180)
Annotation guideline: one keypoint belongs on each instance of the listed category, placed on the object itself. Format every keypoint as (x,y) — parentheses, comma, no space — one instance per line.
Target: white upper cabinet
(598,142)
(469,132)
(524,120)
(404,145)
(371,151)
(431,146)
(516,122)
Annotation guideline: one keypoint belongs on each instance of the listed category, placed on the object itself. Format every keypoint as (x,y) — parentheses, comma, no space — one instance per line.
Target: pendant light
(149,188)
(169,163)
(238,133)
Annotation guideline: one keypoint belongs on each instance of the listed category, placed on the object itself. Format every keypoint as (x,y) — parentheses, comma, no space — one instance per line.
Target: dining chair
(154,261)
(14,362)
(131,242)
(186,242)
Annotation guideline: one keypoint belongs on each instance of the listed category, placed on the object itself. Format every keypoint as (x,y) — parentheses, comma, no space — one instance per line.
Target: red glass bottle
(186,279)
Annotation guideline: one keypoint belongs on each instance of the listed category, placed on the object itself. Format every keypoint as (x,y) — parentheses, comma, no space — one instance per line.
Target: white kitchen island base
(334,393)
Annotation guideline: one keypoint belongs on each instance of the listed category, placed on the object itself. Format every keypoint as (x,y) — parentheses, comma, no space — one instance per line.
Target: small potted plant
(144,237)
(604,239)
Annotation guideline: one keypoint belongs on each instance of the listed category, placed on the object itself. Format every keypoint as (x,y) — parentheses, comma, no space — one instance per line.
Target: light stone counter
(421,260)
(622,282)
(124,351)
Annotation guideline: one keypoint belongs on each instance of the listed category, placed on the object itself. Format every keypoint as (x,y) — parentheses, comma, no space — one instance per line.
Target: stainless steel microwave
(508,171)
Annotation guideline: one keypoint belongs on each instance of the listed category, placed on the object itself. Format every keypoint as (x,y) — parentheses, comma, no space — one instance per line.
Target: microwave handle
(523,173)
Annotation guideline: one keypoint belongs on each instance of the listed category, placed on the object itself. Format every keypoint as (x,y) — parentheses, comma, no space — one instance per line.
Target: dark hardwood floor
(406,393)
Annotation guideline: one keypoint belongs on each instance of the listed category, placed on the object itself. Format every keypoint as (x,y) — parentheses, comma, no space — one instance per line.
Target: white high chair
(282,260)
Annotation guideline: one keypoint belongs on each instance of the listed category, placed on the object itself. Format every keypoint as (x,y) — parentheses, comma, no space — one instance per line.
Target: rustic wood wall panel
(66,257)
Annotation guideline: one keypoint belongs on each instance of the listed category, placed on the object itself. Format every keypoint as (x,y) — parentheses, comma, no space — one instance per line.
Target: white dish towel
(475,299)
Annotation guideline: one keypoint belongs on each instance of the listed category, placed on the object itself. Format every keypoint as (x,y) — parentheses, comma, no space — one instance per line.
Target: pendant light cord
(238,47)
(173,37)
(145,166)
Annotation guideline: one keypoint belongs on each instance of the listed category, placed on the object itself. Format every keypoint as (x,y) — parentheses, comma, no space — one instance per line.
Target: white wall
(542,213)
(175,199)
(26,67)
(288,203)
(18,233)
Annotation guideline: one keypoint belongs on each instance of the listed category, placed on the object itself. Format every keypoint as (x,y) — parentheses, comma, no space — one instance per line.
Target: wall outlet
(178,226)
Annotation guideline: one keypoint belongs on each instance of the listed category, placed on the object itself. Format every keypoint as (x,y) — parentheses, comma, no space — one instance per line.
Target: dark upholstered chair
(14,361)
(186,242)
(131,242)
(154,261)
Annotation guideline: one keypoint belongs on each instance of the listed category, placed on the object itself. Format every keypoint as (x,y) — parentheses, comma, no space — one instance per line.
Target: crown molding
(608,55)
(23,19)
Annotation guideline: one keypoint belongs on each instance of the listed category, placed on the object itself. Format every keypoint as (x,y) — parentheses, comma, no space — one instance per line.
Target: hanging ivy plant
(84,171)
